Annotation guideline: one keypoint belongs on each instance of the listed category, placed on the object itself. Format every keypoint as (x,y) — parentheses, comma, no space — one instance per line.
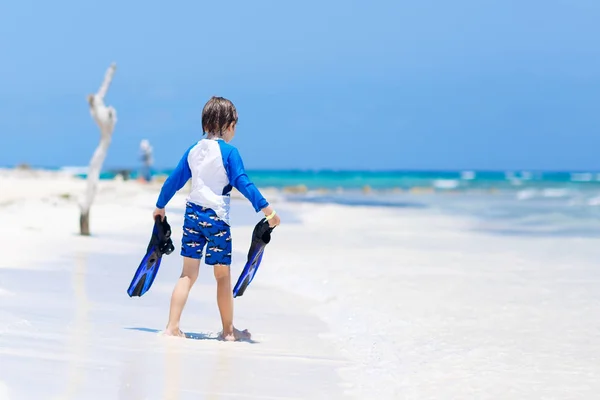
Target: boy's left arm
(239,179)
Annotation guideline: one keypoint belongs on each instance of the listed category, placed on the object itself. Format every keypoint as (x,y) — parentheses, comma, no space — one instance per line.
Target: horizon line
(317,170)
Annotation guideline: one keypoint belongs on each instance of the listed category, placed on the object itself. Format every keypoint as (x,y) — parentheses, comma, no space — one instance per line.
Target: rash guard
(214,167)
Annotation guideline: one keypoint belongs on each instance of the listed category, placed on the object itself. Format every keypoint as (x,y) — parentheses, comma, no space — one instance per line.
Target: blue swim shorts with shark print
(202,227)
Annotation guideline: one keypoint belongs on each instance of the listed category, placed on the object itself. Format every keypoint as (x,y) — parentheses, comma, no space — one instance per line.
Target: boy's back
(210,181)
(214,167)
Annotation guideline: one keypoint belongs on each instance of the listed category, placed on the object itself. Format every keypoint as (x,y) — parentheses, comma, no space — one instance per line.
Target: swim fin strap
(261,236)
(160,244)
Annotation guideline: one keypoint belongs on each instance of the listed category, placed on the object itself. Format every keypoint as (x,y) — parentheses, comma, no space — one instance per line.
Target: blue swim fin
(261,236)
(160,244)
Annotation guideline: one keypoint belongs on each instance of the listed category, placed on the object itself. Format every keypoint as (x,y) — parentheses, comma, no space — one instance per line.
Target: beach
(350,301)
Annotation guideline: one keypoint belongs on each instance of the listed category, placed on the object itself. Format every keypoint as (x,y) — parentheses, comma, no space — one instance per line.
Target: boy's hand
(274,221)
(159,211)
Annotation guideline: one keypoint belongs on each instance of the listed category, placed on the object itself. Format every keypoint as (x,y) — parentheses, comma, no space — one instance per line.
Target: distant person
(214,166)
(147,160)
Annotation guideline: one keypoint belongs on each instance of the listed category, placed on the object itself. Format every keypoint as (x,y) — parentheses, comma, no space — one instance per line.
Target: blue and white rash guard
(214,167)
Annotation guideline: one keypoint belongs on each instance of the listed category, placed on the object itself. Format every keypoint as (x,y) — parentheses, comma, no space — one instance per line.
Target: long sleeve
(239,180)
(178,178)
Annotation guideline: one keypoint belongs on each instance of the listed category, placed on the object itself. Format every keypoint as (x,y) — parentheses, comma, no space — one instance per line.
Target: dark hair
(218,114)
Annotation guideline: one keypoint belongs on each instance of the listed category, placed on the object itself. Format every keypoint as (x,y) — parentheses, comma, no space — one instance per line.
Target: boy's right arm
(178,178)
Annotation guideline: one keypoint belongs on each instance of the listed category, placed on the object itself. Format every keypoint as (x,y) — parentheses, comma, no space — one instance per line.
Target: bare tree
(106,118)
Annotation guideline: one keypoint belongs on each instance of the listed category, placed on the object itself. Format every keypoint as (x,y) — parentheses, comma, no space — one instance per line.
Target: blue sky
(335,84)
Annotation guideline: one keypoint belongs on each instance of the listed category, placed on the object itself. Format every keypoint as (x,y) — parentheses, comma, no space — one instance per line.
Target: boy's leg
(225,303)
(189,274)
(192,243)
(218,255)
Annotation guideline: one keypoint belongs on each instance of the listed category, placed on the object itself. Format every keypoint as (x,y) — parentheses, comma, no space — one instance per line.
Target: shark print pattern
(201,226)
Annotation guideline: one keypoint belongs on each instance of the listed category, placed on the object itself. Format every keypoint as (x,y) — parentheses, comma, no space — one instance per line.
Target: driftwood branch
(106,118)
(108,77)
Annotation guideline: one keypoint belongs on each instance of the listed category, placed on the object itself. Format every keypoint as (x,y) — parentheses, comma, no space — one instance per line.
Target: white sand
(67,324)
(371,303)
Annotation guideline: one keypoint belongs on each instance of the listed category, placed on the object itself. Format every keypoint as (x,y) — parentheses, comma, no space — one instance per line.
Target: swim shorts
(202,227)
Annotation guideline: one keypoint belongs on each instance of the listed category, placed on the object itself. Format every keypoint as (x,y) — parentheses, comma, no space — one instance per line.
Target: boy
(214,166)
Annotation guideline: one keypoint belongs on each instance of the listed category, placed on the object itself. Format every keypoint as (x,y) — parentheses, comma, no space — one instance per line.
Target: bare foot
(235,335)
(173,332)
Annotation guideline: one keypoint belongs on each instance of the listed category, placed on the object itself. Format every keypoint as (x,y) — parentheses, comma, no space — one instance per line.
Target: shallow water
(569,214)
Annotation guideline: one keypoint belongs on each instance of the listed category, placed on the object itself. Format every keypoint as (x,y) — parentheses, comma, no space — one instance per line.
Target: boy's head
(219,118)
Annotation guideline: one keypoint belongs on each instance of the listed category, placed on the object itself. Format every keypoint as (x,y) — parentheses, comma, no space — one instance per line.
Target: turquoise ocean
(503,202)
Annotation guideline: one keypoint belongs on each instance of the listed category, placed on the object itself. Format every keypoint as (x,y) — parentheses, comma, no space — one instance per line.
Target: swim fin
(160,244)
(261,236)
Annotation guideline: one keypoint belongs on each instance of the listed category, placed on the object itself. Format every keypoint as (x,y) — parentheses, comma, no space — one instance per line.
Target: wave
(526,194)
(582,177)
(446,184)
(556,192)
(594,201)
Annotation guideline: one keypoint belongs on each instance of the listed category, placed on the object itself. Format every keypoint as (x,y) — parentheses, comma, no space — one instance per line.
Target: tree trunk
(106,118)
(84,223)
(92,183)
